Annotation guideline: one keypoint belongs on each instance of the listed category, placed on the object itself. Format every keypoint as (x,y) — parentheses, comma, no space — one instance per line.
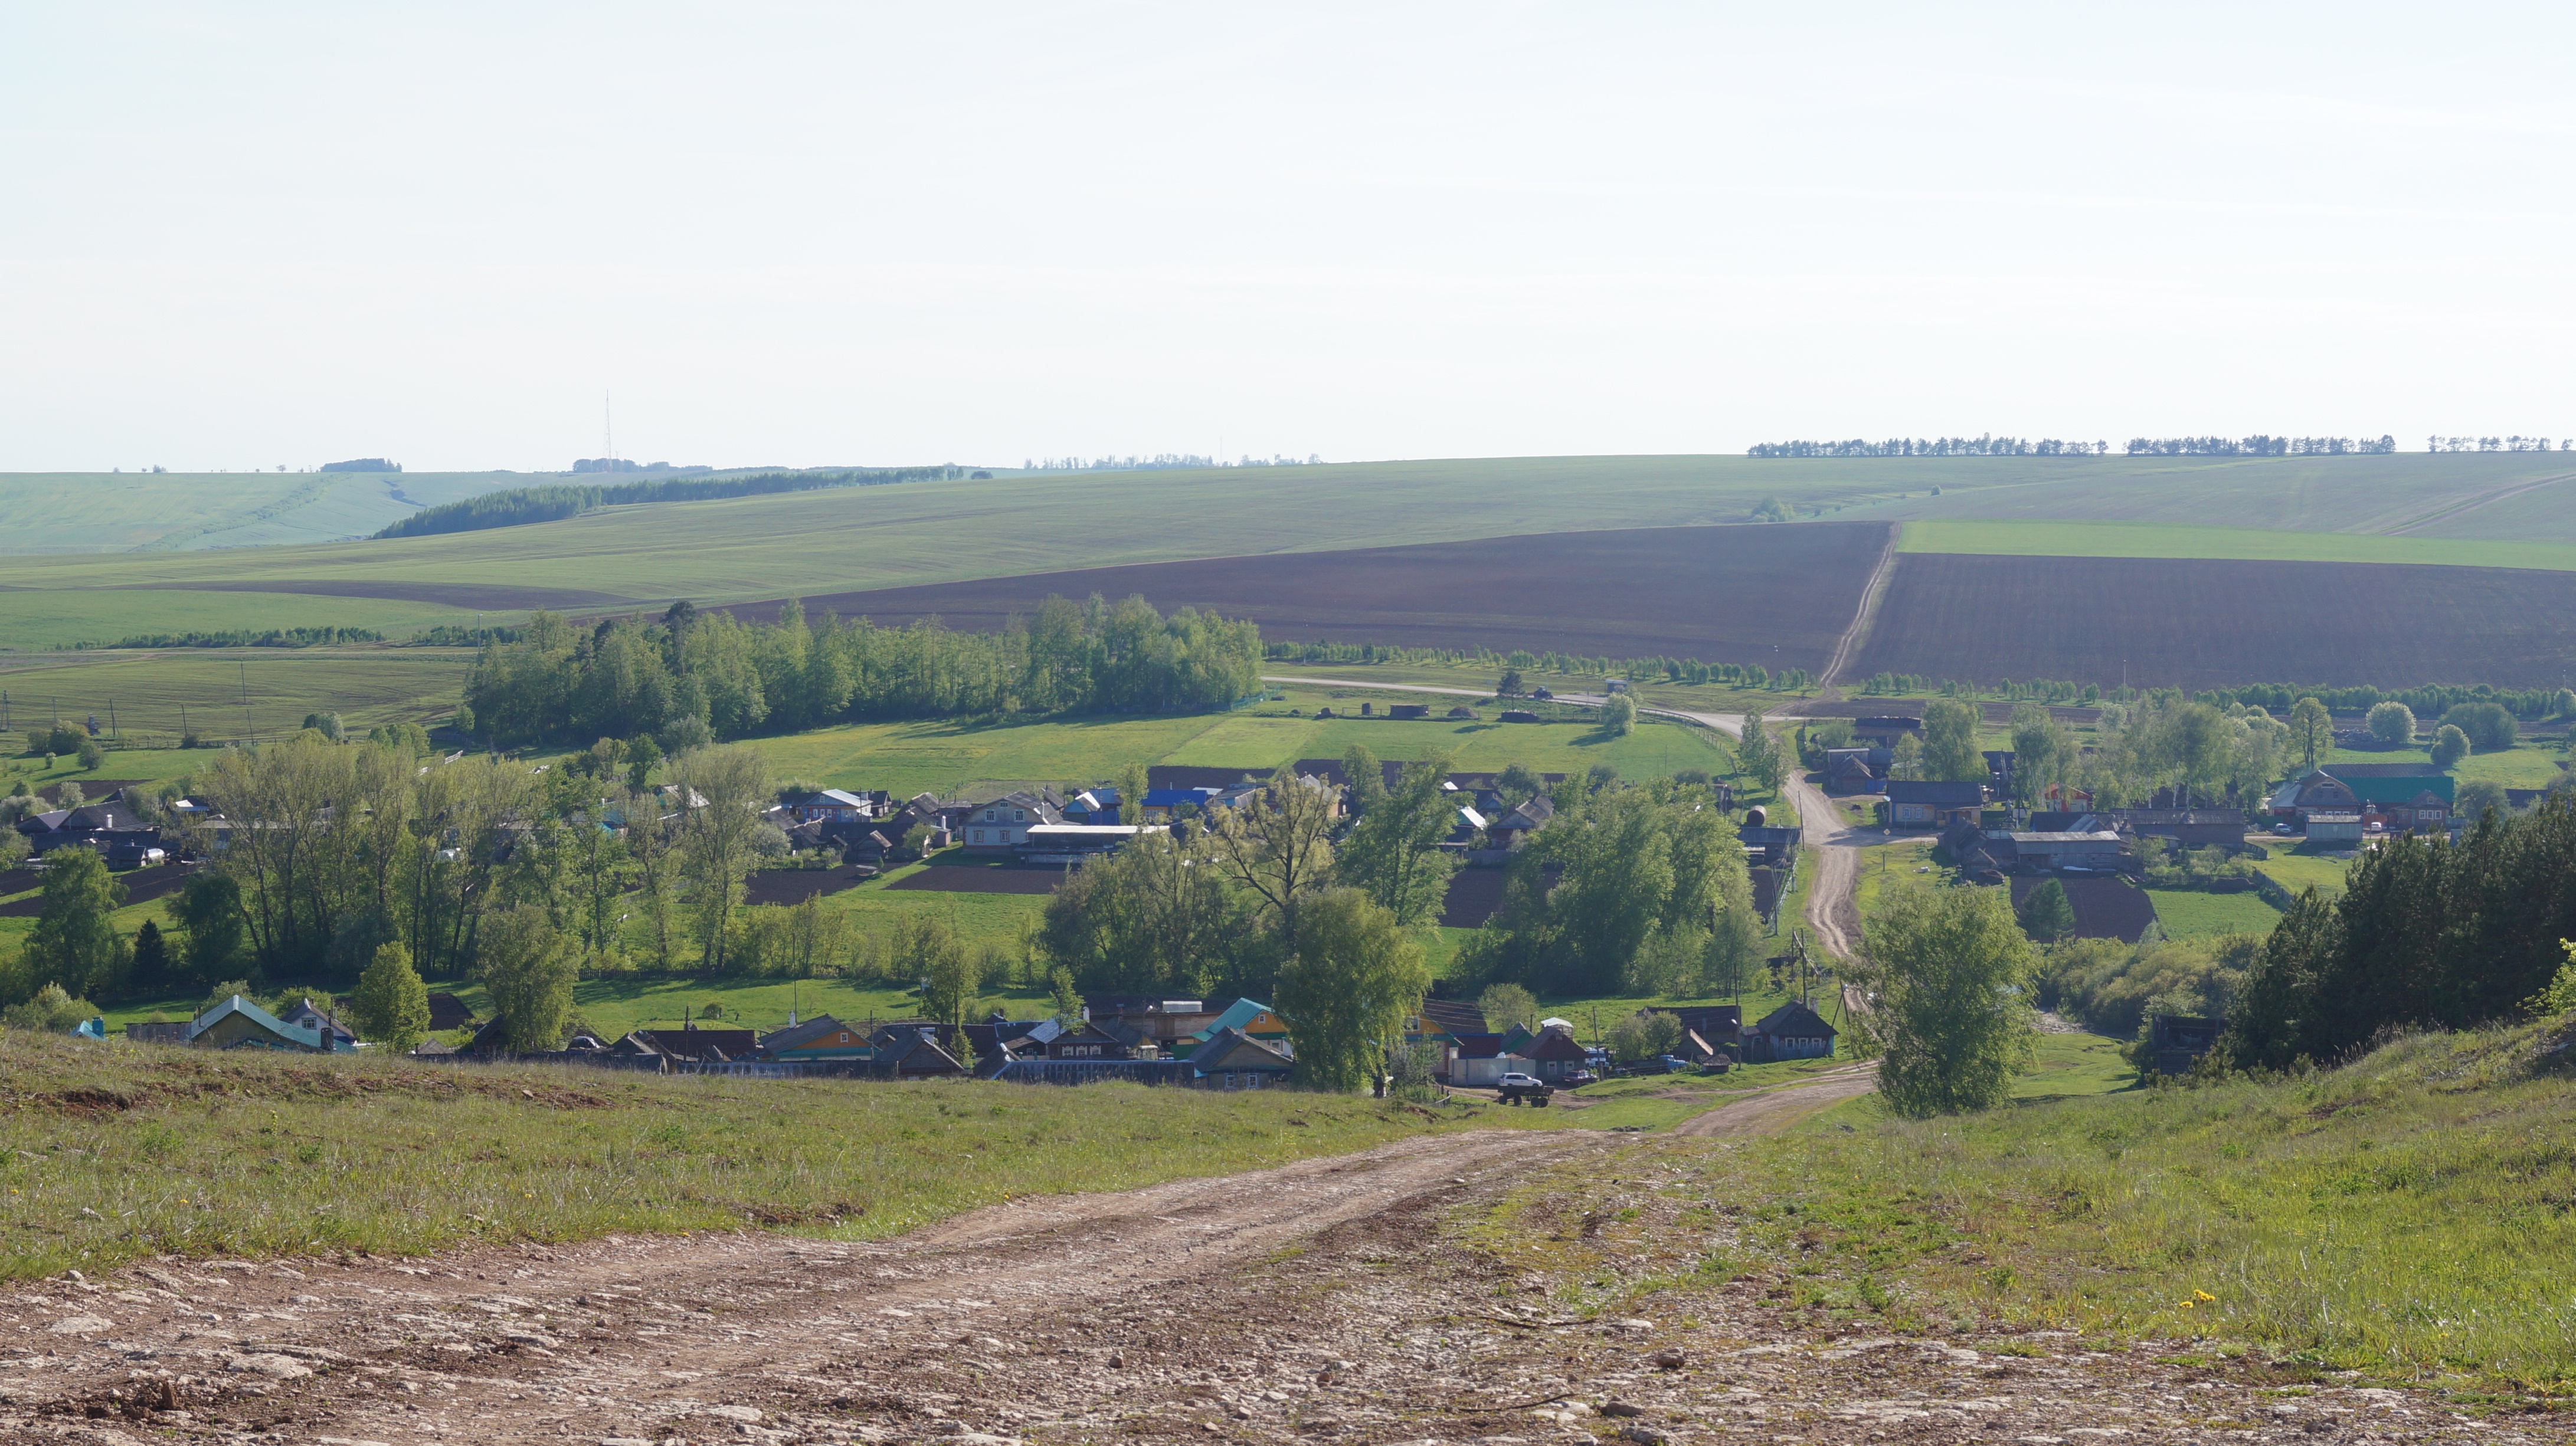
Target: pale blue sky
(251,234)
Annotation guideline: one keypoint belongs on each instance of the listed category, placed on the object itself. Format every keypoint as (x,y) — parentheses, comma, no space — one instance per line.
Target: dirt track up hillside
(1414,1293)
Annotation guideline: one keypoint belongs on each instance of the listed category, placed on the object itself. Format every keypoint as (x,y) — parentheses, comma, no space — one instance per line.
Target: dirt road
(1831,910)
(1427,1292)
(1775,1110)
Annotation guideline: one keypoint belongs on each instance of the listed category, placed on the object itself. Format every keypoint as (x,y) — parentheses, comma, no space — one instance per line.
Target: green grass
(58,618)
(2058,538)
(2525,765)
(1902,865)
(2300,872)
(160,512)
(148,691)
(2190,914)
(942,756)
(2404,1216)
(111,1153)
(2073,1065)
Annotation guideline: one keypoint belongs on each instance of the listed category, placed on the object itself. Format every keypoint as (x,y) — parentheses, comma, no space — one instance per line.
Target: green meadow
(228,693)
(2192,914)
(2075,538)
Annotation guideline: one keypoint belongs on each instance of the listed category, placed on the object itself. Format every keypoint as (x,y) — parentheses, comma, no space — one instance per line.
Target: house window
(1019,816)
(979,835)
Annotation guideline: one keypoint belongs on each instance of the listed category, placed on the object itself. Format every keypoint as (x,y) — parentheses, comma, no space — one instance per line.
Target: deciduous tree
(1951,1018)
(391,1005)
(1393,854)
(2312,727)
(1347,988)
(1950,752)
(75,943)
(2392,723)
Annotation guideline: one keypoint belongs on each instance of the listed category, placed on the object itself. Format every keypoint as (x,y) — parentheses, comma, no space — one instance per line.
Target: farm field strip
(2204,624)
(2024,538)
(1776,596)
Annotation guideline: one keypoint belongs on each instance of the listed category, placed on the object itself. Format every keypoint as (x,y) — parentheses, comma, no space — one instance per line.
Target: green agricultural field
(929,532)
(2192,914)
(2526,766)
(228,692)
(904,758)
(2069,538)
(170,511)
(45,619)
(943,756)
(2298,872)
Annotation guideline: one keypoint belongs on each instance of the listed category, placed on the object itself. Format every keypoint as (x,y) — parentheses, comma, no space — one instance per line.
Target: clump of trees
(1629,889)
(2427,934)
(691,671)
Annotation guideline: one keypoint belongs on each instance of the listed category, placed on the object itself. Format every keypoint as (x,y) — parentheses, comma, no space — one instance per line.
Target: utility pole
(112,730)
(245,697)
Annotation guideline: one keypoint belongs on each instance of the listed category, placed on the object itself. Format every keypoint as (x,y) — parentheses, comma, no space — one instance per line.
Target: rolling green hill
(86,512)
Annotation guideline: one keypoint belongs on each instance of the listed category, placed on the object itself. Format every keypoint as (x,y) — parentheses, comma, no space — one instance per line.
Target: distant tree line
(552,501)
(2430,700)
(2496,444)
(1523,661)
(1159,461)
(689,675)
(1979,446)
(243,638)
(1993,446)
(360,464)
(2259,446)
(620,464)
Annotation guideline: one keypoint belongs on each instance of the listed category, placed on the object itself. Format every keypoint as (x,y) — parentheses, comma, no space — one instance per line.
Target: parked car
(1670,1063)
(1580,1077)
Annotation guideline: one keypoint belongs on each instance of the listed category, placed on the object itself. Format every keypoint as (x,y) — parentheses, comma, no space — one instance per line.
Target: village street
(1414,1293)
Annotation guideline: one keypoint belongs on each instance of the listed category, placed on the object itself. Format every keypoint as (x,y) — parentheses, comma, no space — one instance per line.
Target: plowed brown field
(2203,624)
(1777,596)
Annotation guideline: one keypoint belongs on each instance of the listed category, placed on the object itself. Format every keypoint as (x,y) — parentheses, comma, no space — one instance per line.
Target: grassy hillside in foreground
(2404,1216)
(230,1154)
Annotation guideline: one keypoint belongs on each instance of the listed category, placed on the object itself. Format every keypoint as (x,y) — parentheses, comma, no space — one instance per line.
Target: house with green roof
(1249,1018)
(239,1024)
(2398,797)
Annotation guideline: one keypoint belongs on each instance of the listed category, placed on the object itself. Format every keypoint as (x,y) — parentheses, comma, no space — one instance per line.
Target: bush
(2489,727)
(1644,1035)
(2392,724)
(90,755)
(2450,745)
(58,738)
(52,1011)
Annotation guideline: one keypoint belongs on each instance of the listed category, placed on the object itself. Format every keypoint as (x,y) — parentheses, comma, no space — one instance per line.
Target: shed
(1918,803)
(1408,710)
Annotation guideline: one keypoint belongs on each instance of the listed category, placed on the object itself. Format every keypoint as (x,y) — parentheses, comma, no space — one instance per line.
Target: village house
(2177,1041)
(1231,1060)
(1513,829)
(109,828)
(2399,798)
(239,1024)
(308,1015)
(1004,823)
(1553,1053)
(1792,1031)
(834,805)
(2097,849)
(819,1038)
(1917,803)
(1479,1061)
(1767,845)
(1857,770)
(907,1051)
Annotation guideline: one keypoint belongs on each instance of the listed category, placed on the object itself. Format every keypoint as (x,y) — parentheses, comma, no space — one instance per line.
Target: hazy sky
(252,234)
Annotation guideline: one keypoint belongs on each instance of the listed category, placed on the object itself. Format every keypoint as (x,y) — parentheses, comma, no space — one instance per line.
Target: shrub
(90,755)
(2450,745)
(2489,727)
(52,1011)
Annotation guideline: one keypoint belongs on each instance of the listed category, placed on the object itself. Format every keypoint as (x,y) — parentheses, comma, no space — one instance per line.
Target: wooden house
(2178,1040)
(1553,1053)
(821,1037)
(239,1024)
(1231,1060)
(1918,803)
(907,1051)
(1792,1031)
